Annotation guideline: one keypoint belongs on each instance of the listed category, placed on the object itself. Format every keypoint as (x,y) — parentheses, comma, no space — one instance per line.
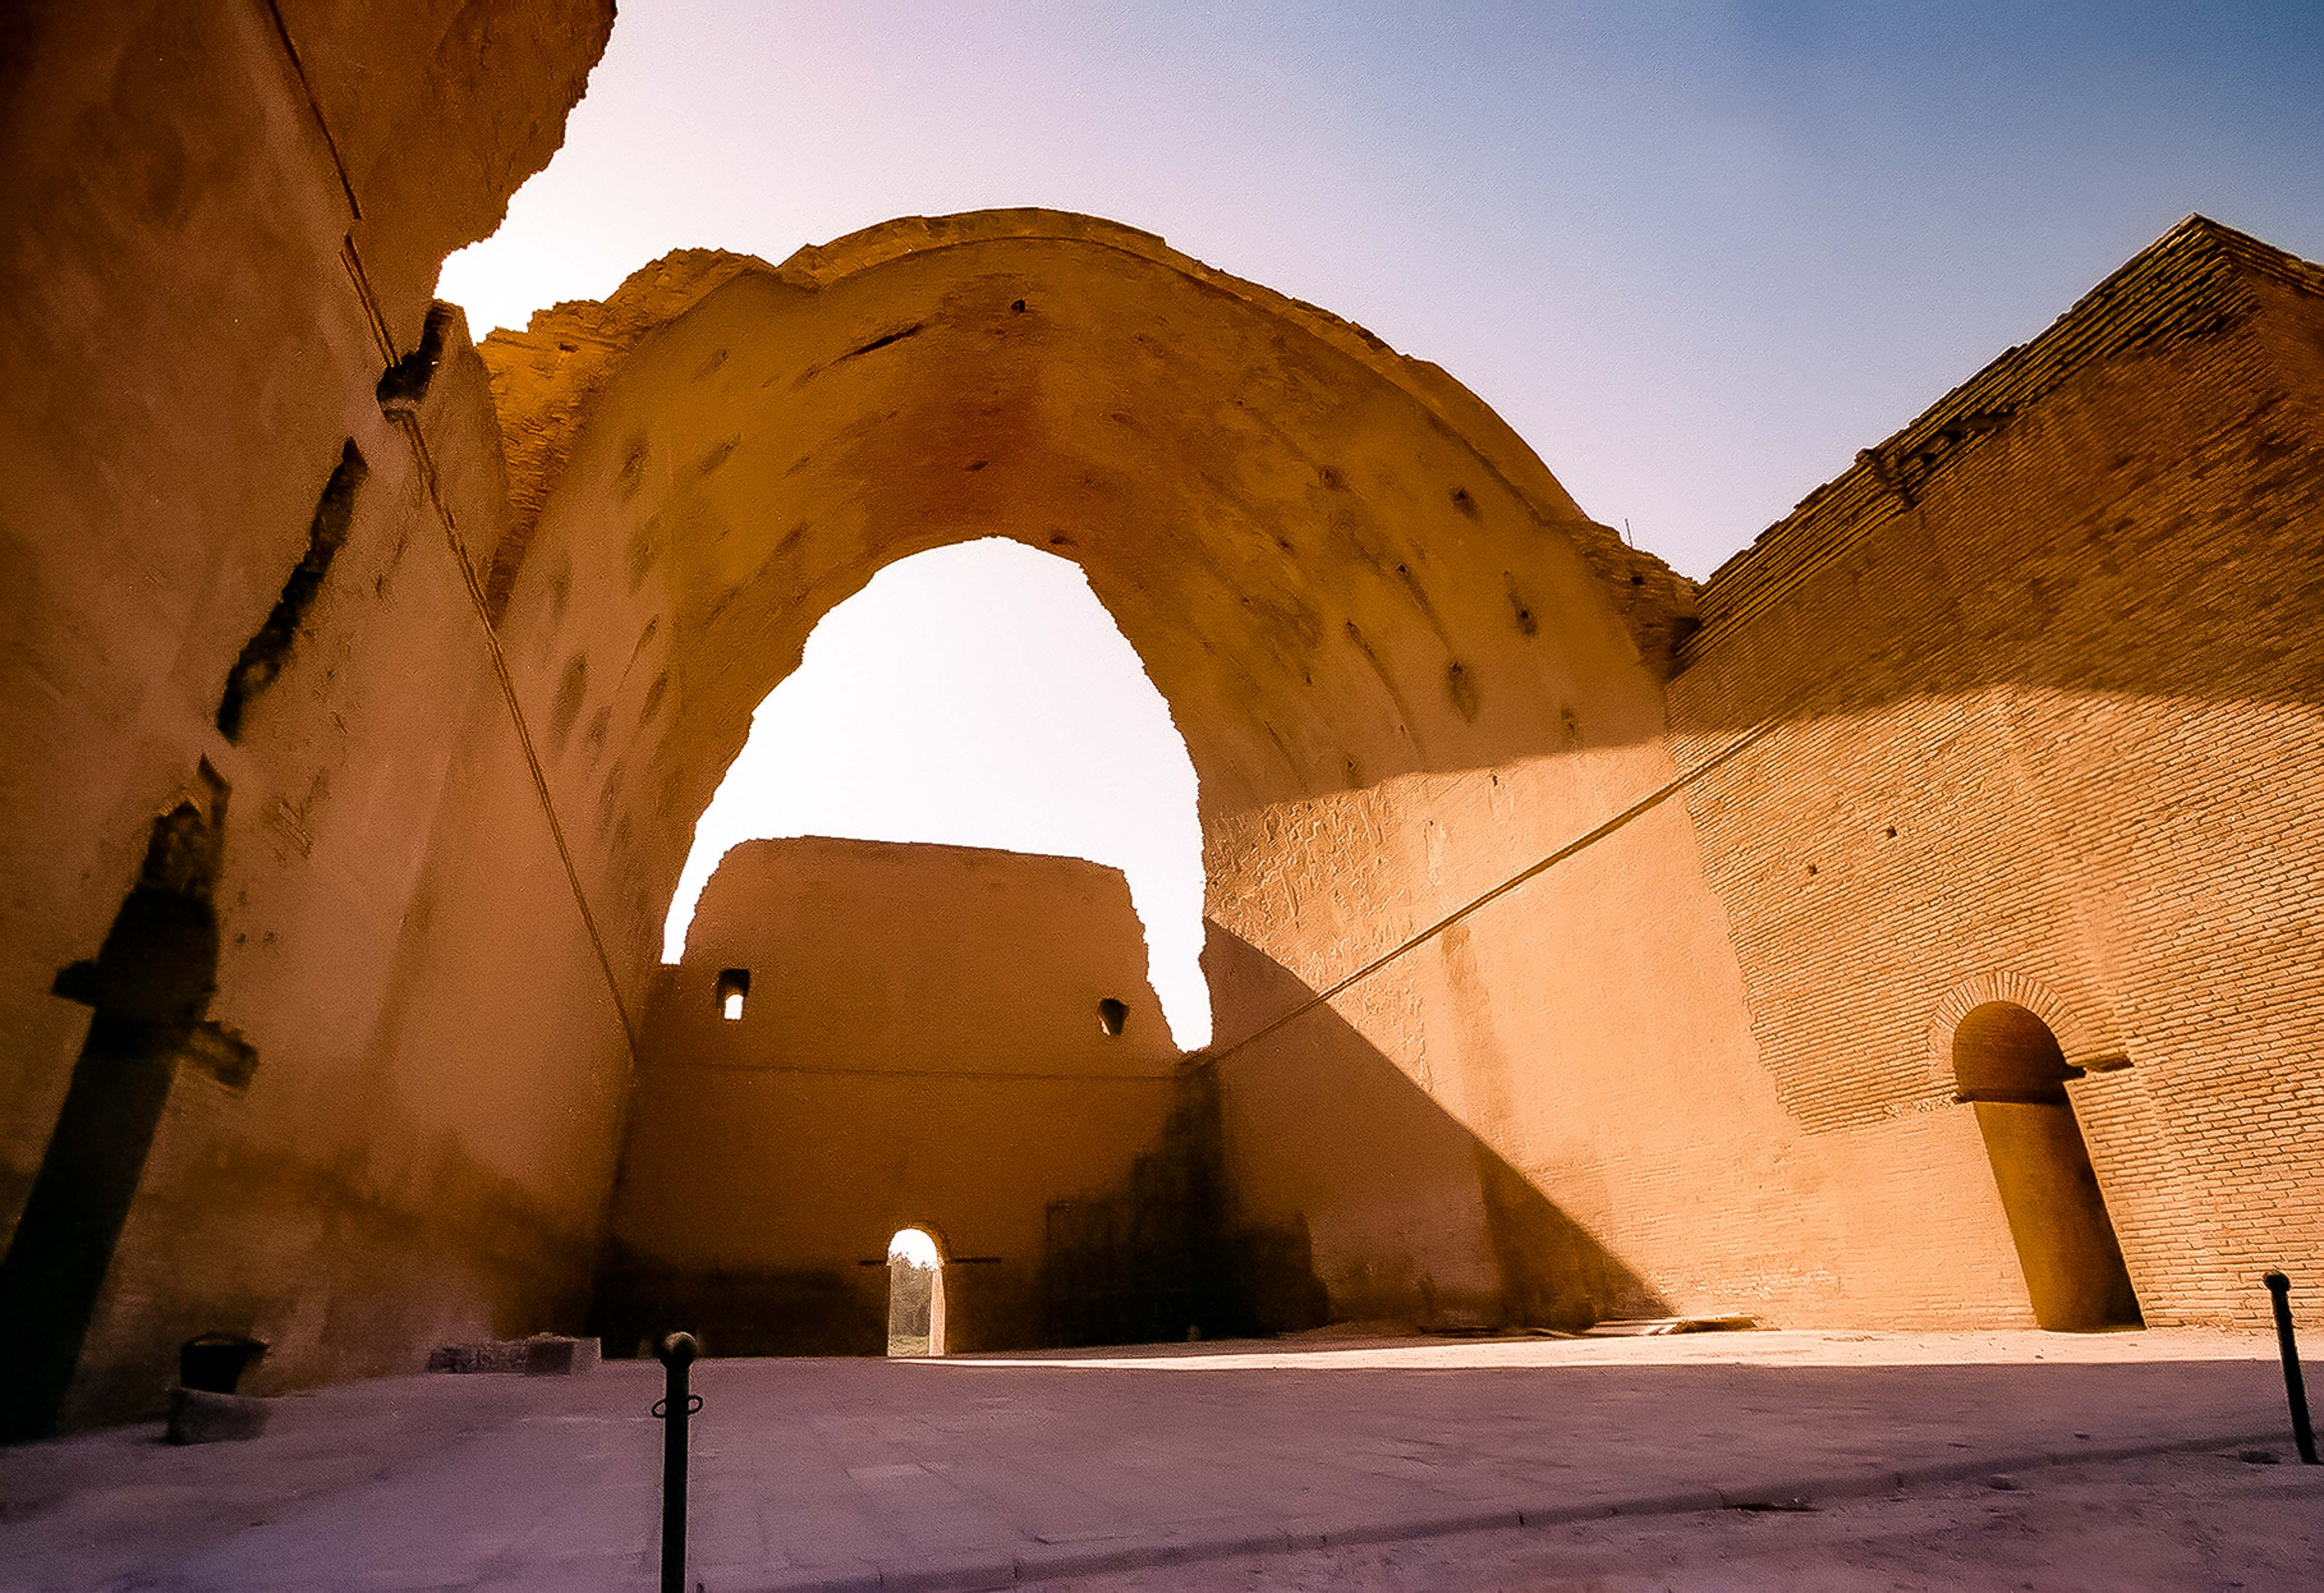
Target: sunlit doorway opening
(915,1294)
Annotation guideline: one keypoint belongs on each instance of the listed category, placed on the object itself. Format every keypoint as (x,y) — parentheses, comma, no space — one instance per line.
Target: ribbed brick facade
(2049,688)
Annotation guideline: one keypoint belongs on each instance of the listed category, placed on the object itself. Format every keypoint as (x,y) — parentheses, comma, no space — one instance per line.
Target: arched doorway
(2008,1064)
(915,1294)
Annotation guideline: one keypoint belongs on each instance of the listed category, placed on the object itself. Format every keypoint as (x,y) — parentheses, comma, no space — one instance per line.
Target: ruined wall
(921,1046)
(198,300)
(2050,695)
(354,900)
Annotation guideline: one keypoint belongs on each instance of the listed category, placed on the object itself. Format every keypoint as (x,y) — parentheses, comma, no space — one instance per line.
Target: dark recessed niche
(733,990)
(1111,1015)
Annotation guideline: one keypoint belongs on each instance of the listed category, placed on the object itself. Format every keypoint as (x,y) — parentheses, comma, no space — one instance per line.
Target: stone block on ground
(543,1355)
(547,1356)
(198,1415)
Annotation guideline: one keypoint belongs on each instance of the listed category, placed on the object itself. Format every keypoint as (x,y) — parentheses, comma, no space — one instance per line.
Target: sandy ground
(1321,1463)
(2163,1522)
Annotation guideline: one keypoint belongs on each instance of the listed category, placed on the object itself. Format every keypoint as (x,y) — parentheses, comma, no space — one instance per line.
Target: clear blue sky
(1696,254)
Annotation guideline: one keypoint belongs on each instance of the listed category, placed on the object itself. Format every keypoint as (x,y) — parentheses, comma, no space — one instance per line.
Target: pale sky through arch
(981,695)
(913,1248)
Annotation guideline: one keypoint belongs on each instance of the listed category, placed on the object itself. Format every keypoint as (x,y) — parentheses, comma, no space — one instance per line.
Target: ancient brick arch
(2033,688)
(1337,565)
(2082,1041)
(1406,666)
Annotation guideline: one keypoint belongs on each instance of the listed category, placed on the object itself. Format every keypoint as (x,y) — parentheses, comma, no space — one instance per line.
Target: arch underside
(1404,664)
(1331,586)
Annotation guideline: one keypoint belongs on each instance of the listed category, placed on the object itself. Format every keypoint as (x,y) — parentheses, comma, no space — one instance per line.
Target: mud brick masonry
(1915,924)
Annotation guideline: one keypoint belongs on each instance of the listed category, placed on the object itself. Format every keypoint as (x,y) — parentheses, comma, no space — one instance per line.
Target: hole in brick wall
(734,989)
(1460,686)
(1112,1016)
(264,654)
(915,1294)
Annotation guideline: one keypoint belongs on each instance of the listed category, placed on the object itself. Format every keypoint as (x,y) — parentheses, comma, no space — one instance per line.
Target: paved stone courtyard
(2173,1520)
(1314,1463)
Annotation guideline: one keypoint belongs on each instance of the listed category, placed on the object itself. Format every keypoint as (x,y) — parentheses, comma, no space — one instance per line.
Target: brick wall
(2050,697)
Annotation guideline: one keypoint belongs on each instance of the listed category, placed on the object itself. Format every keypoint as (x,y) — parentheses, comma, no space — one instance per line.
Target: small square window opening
(734,987)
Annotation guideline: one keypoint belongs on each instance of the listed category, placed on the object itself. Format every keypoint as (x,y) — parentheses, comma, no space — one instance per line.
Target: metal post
(676,1353)
(2295,1389)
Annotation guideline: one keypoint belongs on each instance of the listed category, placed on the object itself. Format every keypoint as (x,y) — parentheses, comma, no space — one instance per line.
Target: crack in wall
(269,647)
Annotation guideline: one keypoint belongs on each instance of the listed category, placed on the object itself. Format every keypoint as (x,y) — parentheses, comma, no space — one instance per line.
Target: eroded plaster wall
(920,1046)
(191,347)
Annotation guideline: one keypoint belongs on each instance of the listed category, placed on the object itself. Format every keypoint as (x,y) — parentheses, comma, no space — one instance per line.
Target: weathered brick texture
(2050,690)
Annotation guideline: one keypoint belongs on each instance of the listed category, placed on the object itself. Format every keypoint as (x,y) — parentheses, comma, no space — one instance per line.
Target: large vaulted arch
(1405,663)
(1339,567)
(1568,958)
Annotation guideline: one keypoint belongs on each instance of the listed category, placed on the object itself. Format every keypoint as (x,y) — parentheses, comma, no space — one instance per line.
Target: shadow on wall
(1155,1258)
(738,1311)
(1302,1182)
(1352,1183)
(150,986)
(1918,572)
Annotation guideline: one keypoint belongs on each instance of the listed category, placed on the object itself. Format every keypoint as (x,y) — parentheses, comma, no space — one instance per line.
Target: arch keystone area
(544,376)
(2085,1044)
(1337,565)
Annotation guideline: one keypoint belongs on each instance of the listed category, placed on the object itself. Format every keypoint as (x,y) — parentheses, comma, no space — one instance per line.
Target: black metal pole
(2295,1388)
(676,1353)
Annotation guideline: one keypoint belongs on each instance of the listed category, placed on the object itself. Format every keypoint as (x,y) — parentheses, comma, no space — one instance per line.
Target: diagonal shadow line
(1637,809)
(1321,1130)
